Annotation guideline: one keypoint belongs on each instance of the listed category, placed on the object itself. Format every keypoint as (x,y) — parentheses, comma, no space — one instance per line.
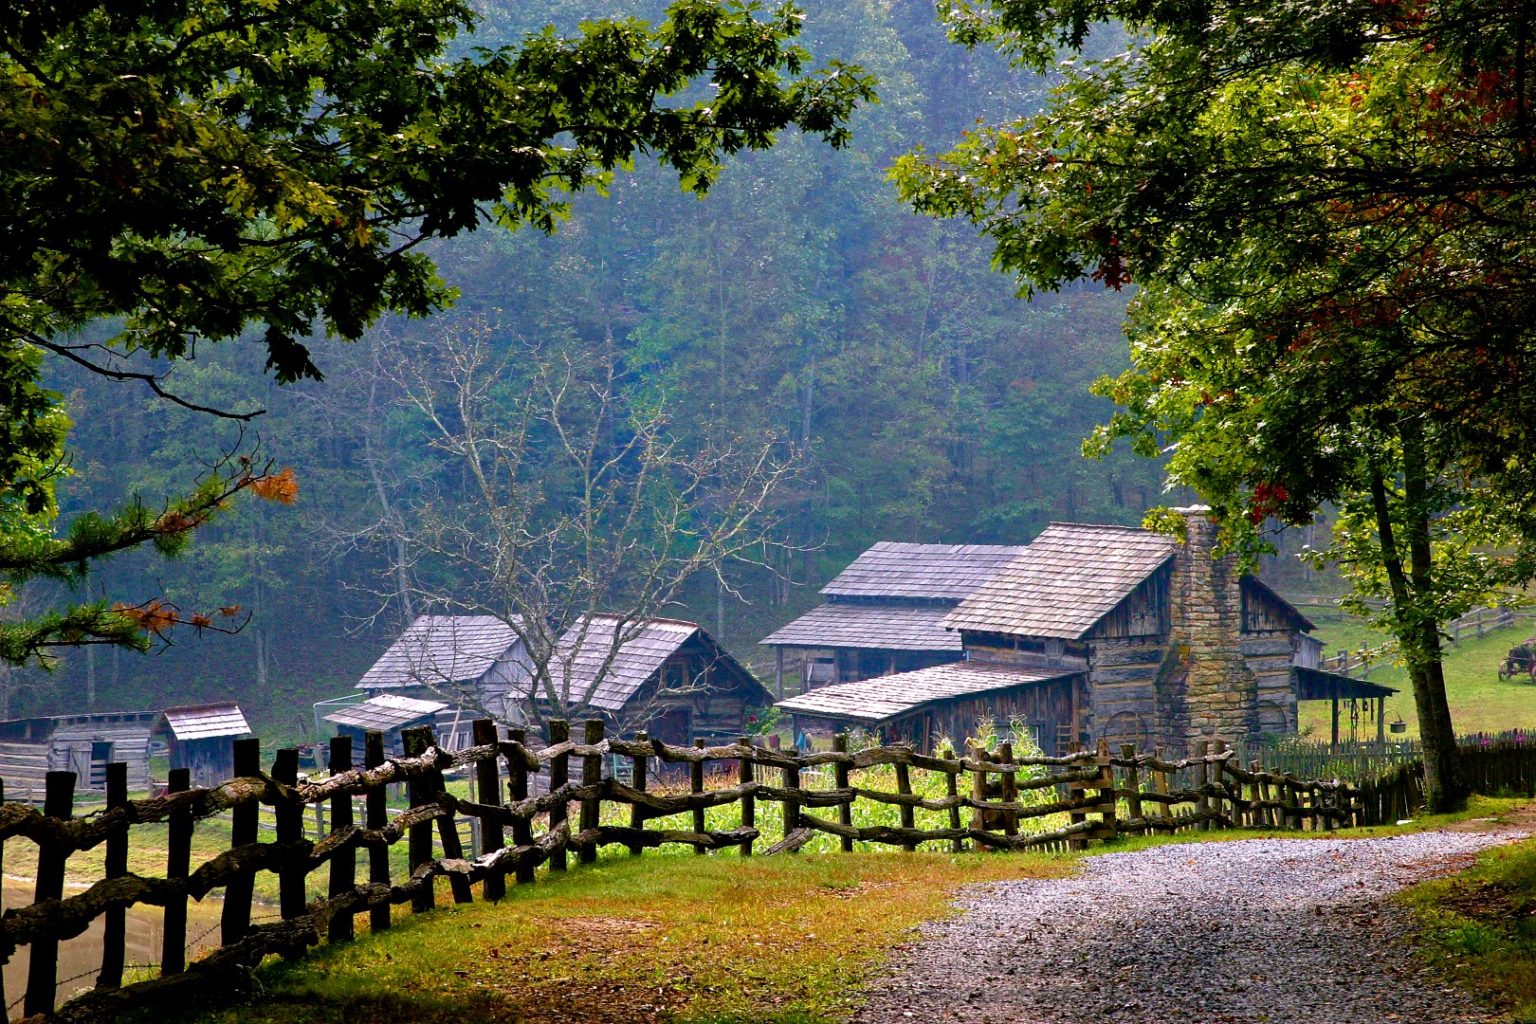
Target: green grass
(1480,701)
(708,939)
(1480,926)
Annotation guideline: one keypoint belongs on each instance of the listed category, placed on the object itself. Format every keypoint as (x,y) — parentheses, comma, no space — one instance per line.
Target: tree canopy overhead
(186,172)
(1327,210)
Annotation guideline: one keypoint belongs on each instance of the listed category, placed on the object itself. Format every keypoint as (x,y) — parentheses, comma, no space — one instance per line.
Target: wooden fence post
(290,829)
(636,812)
(840,781)
(978,796)
(908,814)
(114,926)
(419,840)
(343,862)
(558,731)
(748,802)
(178,864)
(235,921)
(1203,779)
(488,791)
(591,775)
(791,805)
(1077,792)
(43,954)
(1160,786)
(952,791)
(1133,789)
(1008,784)
(696,787)
(376,816)
(448,830)
(1109,809)
(517,789)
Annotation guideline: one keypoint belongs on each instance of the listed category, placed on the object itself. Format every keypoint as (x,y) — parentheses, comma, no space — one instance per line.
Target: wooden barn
(83,744)
(885,613)
(388,713)
(200,738)
(1164,644)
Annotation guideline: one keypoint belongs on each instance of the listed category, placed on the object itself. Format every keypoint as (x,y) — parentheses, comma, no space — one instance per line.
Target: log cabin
(1106,632)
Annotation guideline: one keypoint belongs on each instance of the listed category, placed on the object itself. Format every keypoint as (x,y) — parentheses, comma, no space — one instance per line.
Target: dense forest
(799,304)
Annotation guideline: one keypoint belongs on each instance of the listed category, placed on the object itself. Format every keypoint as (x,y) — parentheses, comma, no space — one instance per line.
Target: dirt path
(1260,930)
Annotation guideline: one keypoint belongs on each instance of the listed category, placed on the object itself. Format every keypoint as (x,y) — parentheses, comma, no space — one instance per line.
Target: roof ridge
(1108,526)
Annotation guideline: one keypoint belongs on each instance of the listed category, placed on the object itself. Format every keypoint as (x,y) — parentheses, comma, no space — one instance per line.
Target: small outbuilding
(83,744)
(200,738)
(388,713)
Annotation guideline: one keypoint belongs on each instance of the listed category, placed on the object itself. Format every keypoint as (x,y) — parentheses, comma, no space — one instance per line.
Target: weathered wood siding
(1144,612)
(1269,657)
(1264,612)
(1045,707)
(1123,705)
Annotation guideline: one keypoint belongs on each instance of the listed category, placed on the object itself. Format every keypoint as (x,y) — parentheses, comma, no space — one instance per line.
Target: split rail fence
(991,800)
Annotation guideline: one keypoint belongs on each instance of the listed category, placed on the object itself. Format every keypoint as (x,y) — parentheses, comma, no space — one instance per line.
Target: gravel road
(1258,930)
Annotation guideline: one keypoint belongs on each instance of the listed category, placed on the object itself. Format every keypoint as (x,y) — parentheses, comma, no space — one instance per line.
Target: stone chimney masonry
(1206,629)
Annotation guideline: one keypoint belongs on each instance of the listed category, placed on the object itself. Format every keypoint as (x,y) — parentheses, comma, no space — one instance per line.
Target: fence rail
(1477,622)
(991,800)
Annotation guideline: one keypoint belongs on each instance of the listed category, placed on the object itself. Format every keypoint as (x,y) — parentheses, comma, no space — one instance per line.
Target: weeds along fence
(985,799)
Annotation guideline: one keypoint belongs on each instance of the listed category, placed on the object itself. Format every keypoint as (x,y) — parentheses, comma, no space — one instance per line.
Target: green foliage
(1325,312)
(185,173)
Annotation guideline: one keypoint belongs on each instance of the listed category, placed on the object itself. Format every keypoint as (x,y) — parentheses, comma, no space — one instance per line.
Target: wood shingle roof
(875,626)
(1069,578)
(440,649)
(385,712)
(206,721)
(642,647)
(936,572)
(887,697)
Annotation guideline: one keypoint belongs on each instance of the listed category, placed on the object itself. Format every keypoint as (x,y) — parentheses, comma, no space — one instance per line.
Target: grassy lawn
(1480,926)
(693,939)
(706,939)
(1480,702)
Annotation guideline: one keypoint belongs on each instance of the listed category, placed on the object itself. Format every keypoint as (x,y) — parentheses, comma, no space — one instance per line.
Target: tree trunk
(1417,631)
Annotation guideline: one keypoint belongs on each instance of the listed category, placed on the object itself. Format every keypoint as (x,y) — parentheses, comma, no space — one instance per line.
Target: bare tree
(568,507)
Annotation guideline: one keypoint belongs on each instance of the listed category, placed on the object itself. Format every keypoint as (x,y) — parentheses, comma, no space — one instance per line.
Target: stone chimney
(1220,699)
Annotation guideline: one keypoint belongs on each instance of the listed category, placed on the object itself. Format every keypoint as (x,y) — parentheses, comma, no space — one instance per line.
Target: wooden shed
(388,713)
(200,738)
(885,613)
(942,703)
(83,744)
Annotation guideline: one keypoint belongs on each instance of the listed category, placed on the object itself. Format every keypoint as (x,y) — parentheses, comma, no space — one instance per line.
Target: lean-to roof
(888,697)
(384,712)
